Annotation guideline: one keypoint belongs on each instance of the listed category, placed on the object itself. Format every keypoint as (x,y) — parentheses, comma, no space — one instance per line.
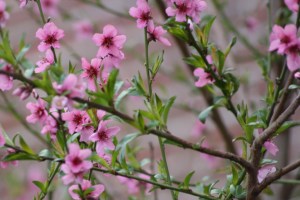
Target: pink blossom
(50,126)
(83,29)
(50,7)
(45,62)
(49,36)
(70,176)
(156,33)
(271,147)
(264,171)
(59,102)
(75,119)
(94,194)
(4,16)
(204,78)
(6,82)
(75,164)
(5,164)
(91,72)
(132,184)
(198,129)
(251,23)
(292,55)
(297,75)
(184,8)
(22,92)
(38,111)
(103,137)
(71,87)
(76,158)
(293,5)
(281,38)
(23,3)
(135,186)
(101,114)
(110,45)
(142,13)
(2,139)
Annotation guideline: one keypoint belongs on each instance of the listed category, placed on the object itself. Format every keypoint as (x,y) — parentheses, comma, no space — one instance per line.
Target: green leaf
(111,83)
(45,153)
(7,139)
(207,29)
(24,145)
(20,156)
(40,185)
(286,125)
(204,114)
(122,95)
(167,108)
(221,61)
(179,33)
(22,52)
(99,160)
(231,44)
(186,182)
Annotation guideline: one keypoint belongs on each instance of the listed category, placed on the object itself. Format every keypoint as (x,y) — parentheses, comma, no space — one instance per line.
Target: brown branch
(196,147)
(275,176)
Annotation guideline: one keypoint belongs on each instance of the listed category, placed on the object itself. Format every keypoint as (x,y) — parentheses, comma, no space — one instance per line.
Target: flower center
(146,16)
(76,161)
(102,136)
(182,8)
(40,112)
(286,39)
(50,39)
(92,72)
(77,119)
(108,41)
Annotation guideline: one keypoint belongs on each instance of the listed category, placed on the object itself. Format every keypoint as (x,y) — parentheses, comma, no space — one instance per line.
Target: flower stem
(147,63)
(41,11)
(163,153)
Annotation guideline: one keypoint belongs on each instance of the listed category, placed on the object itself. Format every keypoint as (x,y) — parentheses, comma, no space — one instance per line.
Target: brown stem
(196,147)
(275,176)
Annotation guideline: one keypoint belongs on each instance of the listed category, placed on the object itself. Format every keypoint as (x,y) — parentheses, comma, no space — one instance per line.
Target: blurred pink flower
(23,3)
(103,137)
(23,92)
(71,177)
(156,34)
(134,186)
(251,23)
(71,87)
(59,102)
(198,129)
(271,147)
(264,171)
(5,164)
(75,120)
(142,12)
(45,62)
(110,45)
(293,5)
(83,29)
(297,75)
(292,56)
(6,82)
(4,16)
(49,36)
(76,158)
(91,72)
(184,8)
(281,38)
(204,78)
(38,111)
(50,7)
(50,126)
(94,194)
